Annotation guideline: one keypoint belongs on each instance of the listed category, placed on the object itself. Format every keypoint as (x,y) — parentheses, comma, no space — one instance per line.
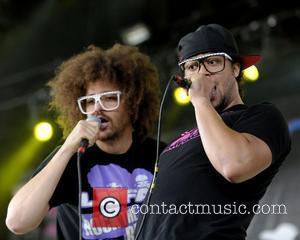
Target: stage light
(181,96)
(136,34)
(15,166)
(251,74)
(43,131)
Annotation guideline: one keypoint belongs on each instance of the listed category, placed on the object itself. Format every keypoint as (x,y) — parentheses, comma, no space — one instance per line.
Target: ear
(236,68)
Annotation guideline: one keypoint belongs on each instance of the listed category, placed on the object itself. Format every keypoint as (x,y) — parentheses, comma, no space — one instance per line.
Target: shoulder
(265,121)
(149,145)
(151,142)
(264,107)
(263,112)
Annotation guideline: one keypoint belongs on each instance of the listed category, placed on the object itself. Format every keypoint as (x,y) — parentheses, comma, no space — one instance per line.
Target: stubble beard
(221,105)
(114,135)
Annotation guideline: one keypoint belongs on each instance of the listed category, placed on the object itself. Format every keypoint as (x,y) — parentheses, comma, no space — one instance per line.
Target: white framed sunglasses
(108,101)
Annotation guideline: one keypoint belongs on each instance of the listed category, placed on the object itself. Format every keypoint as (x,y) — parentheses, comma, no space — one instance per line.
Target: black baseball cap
(213,38)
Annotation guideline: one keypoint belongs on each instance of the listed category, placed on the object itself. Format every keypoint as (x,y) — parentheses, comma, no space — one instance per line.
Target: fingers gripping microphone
(84,143)
(181,81)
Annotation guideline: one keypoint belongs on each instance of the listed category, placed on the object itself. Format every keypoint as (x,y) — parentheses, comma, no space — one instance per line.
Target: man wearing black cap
(211,178)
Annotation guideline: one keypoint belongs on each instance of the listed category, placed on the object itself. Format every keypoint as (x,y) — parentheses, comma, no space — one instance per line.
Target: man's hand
(83,130)
(202,88)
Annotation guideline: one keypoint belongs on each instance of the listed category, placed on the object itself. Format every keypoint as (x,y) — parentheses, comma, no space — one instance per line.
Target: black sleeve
(66,188)
(267,123)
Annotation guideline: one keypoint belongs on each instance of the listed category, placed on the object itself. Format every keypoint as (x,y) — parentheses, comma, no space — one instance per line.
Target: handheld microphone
(84,143)
(181,81)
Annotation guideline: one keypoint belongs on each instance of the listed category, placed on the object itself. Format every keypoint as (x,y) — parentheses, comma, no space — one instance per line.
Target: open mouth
(104,123)
(103,120)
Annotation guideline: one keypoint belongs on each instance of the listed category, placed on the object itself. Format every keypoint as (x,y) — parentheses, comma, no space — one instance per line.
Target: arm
(236,156)
(30,204)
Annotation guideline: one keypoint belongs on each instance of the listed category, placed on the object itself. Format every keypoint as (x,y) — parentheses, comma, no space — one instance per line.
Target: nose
(202,69)
(98,107)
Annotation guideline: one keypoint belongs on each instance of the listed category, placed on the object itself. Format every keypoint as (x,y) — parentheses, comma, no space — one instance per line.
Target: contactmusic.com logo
(110,207)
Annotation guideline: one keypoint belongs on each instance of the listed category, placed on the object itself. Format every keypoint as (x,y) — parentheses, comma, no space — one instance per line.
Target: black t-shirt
(132,170)
(194,200)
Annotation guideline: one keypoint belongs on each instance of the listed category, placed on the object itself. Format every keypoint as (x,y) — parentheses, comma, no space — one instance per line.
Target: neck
(235,98)
(235,101)
(116,146)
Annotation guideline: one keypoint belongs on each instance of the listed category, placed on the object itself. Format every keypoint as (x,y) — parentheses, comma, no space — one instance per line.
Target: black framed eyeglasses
(212,62)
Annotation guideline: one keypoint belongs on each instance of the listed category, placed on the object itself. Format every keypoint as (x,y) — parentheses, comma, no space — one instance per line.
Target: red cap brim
(249,60)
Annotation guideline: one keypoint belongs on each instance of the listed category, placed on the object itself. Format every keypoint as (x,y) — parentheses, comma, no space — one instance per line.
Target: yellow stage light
(251,74)
(15,166)
(43,131)
(181,96)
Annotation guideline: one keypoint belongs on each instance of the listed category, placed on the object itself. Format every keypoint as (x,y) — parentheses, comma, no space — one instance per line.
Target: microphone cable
(81,150)
(79,154)
(157,155)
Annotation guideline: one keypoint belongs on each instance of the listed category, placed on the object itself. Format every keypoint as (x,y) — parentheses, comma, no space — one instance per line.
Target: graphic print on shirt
(184,137)
(112,175)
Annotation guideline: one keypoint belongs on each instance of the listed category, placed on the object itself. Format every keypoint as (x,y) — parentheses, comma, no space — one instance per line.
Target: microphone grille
(93,118)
